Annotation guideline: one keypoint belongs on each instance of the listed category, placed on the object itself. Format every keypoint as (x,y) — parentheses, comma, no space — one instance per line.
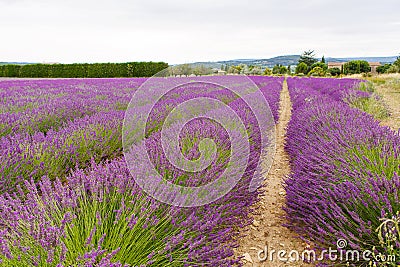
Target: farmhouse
(339,65)
(374,65)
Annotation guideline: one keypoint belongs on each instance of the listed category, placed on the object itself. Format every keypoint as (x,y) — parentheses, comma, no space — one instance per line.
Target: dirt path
(391,95)
(267,229)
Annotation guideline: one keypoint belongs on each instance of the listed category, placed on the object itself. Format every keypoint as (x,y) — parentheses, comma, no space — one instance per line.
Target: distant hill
(289,60)
(15,63)
(206,64)
(270,62)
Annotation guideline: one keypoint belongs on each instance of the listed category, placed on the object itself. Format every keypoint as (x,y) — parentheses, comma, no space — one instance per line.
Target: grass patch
(366,87)
(373,104)
(395,84)
(377,80)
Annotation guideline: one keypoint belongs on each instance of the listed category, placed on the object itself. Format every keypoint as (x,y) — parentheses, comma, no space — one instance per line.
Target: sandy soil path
(391,95)
(267,229)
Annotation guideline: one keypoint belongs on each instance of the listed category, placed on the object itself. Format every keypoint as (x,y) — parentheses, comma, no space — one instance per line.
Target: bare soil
(390,91)
(267,228)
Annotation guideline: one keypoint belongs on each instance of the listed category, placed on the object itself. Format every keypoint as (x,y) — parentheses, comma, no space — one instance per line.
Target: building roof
(374,64)
(335,63)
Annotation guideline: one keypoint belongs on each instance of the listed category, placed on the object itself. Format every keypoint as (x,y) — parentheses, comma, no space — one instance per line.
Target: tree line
(83,70)
(309,65)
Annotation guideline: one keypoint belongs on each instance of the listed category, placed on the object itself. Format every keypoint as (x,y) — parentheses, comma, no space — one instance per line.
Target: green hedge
(84,70)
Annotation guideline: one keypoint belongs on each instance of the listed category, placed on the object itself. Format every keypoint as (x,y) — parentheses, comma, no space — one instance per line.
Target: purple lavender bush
(345,170)
(25,156)
(271,88)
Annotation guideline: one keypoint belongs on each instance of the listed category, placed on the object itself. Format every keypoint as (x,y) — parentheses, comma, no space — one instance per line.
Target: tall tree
(308,57)
(185,69)
(323,59)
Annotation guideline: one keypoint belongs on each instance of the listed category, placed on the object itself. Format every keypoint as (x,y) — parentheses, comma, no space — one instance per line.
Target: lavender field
(70,197)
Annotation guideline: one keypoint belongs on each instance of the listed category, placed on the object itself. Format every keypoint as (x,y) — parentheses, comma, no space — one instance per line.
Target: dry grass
(388,86)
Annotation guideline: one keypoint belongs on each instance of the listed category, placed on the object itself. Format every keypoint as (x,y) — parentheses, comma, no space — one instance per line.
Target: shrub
(393,69)
(302,68)
(356,67)
(334,71)
(279,69)
(383,69)
(319,64)
(267,71)
(317,71)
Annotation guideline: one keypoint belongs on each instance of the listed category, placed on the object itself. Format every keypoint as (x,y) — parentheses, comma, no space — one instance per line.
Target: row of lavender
(100,217)
(345,181)
(271,88)
(28,106)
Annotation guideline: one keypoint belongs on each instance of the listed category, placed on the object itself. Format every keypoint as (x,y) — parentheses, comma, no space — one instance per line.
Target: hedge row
(85,70)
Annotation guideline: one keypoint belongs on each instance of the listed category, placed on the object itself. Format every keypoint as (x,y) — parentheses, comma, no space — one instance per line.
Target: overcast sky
(179,31)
